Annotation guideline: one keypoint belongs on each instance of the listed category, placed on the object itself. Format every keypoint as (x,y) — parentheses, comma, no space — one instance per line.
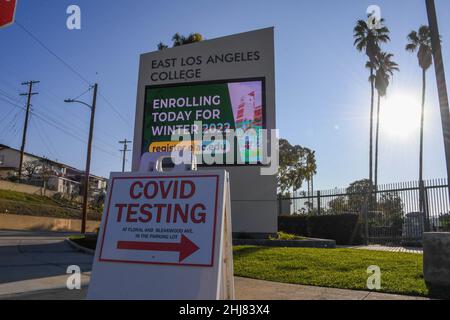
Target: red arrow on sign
(185,247)
(7,10)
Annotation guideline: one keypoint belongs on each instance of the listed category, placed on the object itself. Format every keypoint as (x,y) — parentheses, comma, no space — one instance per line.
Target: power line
(7,129)
(52,52)
(6,95)
(82,94)
(44,141)
(57,100)
(114,109)
(42,44)
(73,135)
(60,121)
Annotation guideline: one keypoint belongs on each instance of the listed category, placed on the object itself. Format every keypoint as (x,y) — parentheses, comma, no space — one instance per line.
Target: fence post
(366,208)
(318,203)
(422,205)
(279,204)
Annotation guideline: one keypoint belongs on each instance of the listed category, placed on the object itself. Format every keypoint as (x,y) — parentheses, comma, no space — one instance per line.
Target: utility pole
(88,159)
(25,127)
(440,79)
(125,150)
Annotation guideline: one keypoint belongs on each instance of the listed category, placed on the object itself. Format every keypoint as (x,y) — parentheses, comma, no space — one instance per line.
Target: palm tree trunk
(371,126)
(376,141)
(422,120)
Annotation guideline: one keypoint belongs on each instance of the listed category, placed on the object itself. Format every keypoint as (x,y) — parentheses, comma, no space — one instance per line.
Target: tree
(358,195)
(162,46)
(391,206)
(338,205)
(180,40)
(385,70)
(297,164)
(368,39)
(420,41)
(45,171)
(31,168)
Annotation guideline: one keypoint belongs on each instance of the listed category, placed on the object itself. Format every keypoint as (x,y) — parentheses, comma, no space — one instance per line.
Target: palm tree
(162,46)
(368,39)
(385,70)
(179,40)
(420,41)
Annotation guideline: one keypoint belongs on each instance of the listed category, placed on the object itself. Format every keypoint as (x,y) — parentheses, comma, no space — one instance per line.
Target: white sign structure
(236,67)
(165,236)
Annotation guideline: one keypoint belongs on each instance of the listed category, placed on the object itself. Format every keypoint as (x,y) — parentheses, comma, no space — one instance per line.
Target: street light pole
(88,158)
(440,79)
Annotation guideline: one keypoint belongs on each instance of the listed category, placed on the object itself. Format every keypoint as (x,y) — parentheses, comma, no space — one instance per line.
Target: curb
(305,243)
(77,247)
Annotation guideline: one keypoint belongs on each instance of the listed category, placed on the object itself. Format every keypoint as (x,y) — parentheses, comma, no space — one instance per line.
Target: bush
(445,222)
(343,228)
(58,196)
(297,225)
(285,236)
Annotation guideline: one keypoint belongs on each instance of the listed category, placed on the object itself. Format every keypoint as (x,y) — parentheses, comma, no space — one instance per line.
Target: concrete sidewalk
(246,289)
(33,266)
(376,247)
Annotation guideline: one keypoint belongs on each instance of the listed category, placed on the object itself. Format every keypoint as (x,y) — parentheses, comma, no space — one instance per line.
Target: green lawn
(401,273)
(89,242)
(25,197)
(14,202)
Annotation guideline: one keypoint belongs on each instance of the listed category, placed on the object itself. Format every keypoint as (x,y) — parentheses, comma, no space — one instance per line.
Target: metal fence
(391,214)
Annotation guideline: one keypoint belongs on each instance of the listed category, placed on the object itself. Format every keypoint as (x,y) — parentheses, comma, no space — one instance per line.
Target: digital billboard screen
(231,108)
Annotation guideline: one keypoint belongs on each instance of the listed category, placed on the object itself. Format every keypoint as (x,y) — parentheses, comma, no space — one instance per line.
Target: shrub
(297,225)
(58,196)
(285,236)
(445,222)
(343,228)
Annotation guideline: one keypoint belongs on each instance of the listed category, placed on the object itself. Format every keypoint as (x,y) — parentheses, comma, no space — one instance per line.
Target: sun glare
(400,116)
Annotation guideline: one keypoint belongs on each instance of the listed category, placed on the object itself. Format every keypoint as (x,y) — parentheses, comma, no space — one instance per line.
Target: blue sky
(322,91)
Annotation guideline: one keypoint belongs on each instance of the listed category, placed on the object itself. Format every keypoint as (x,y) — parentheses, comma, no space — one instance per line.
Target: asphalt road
(38,261)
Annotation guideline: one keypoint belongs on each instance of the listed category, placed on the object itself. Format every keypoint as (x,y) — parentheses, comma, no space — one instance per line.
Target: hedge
(345,229)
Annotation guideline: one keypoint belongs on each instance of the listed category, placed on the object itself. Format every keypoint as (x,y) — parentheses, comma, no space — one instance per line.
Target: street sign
(165,236)
(7,12)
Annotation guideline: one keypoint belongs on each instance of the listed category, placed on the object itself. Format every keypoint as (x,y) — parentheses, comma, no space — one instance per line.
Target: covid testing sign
(165,235)
(200,108)
(161,220)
